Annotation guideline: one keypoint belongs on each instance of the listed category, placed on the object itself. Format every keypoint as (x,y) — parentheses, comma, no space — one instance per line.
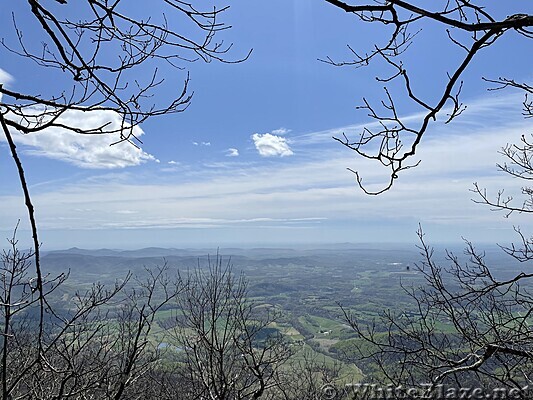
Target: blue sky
(252,162)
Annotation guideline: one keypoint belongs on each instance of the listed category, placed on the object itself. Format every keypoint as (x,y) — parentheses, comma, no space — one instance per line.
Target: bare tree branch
(396,140)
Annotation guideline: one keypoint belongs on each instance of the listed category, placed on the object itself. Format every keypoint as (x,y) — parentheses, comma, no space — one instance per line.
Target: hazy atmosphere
(266,200)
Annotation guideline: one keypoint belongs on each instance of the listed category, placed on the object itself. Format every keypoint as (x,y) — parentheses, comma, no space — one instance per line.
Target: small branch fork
(395,141)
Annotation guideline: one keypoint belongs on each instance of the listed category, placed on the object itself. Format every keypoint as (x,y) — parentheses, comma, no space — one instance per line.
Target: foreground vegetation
(277,324)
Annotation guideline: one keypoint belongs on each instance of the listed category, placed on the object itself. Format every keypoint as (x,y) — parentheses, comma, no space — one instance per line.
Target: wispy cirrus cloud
(310,197)
(280,131)
(319,187)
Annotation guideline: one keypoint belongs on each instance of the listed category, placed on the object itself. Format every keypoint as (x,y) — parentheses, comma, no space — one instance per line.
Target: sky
(252,161)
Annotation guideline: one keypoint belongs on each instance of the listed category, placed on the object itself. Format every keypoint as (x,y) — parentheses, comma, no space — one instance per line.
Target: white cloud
(201,143)
(231,152)
(280,131)
(314,197)
(317,196)
(269,145)
(172,162)
(85,151)
(5,77)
